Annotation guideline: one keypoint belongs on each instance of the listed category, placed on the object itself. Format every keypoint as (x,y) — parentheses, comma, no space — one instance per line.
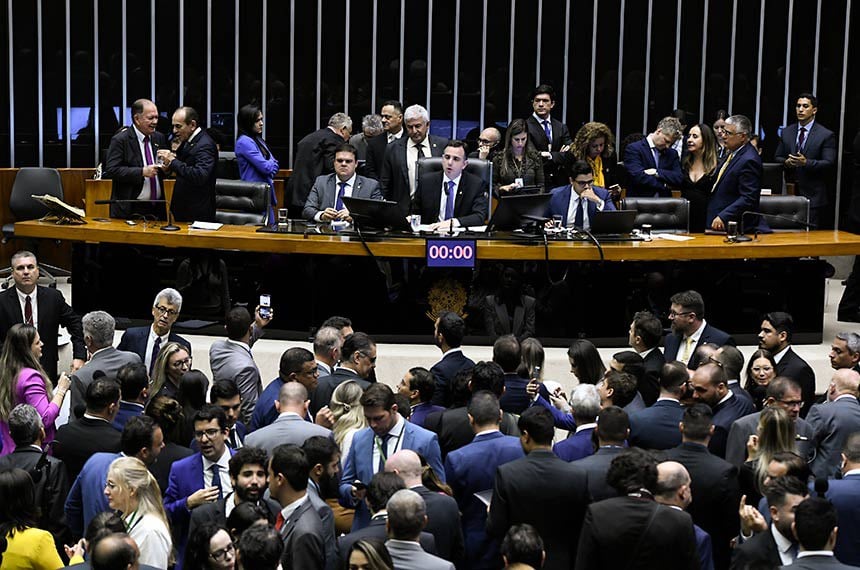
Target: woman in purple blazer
(23,381)
(256,162)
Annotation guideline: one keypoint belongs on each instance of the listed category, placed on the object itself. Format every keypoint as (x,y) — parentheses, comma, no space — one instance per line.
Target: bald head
(845,381)
(407,465)
(293,397)
(117,551)
(673,482)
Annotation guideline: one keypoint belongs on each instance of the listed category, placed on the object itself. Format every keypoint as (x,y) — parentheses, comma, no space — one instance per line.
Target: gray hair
(22,254)
(585,401)
(406,514)
(171,296)
(25,424)
(326,340)
(340,121)
(99,326)
(416,112)
(670,126)
(373,123)
(851,339)
(742,123)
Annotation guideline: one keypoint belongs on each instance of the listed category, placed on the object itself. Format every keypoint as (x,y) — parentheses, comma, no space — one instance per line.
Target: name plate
(450,253)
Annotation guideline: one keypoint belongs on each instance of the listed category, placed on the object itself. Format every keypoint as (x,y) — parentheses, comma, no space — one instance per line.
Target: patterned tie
(449,207)
(153,187)
(28,310)
(722,170)
(547,130)
(688,344)
(216,480)
(338,205)
(156,346)
(579,217)
(801,138)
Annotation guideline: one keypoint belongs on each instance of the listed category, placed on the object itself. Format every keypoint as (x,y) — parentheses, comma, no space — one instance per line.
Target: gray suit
(327,519)
(287,428)
(408,555)
(303,542)
(743,428)
(832,423)
(596,467)
(233,361)
(817,562)
(109,361)
(324,193)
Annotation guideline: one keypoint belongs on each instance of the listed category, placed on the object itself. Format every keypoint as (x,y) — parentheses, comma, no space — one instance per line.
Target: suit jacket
(168,456)
(314,158)
(498,321)
(744,427)
(657,427)
(638,158)
(793,366)
(818,562)
(596,466)
(194,191)
(470,202)
(628,532)
(704,548)
(264,410)
(421,411)
(560,201)
(215,512)
(760,550)
(302,534)
(711,334)
(716,496)
(78,440)
(232,361)
(819,148)
(725,415)
(408,555)
(472,469)
(287,428)
(134,339)
(578,446)
(359,464)
(832,423)
(649,387)
(738,190)
(845,495)
(515,399)
(553,174)
(127,410)
(394,176)
(375,530)
(326,516)
(443,522)
(53,311)
(376,148)
(327,384)
(454,430)
(556,511)
(444,372)
(124,165)
(109,360)
(323,194)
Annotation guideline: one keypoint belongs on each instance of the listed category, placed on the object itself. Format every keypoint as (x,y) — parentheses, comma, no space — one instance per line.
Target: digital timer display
(450,253)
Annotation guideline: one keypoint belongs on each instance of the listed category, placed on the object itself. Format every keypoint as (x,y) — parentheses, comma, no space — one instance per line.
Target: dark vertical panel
(524,61)
(691,58)
(194,72)
(250,53)
(498,44)
(661,91)
(333,44)
(277,102)
(719,57)
(470,96)
(388,50)
(606,78)
(773,72)
(830,68)
(138,38)
(442,67)
(304,93)
(82,82)
(802,51)
(633,77)
(26,99)
(746,59)
(5,118)
(360,60)
(415,52)
(579,65)
(552,50)
(166,61)
(53,83)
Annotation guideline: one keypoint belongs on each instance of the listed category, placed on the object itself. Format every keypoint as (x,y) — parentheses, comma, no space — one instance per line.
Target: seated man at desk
(577,202)
(325,201)
(451,198)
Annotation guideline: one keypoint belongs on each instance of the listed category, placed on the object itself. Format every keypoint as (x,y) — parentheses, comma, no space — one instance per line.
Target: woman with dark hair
(210,547)
(761,369)
(369,554)
(192,396)
(518,164)
(167,413)
(24,381)
(719,127)
(255,160)
(699,166)
(244,515)
(585,362)
(22,545)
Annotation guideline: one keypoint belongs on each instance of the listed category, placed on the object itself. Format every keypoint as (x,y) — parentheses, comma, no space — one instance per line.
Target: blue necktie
(656,157)
(547,130)
(216,480)
(338,205)
(578,219)
(449,207)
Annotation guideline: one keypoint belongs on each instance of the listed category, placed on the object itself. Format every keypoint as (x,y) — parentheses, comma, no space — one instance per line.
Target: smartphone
(536,374)
(266,306)
(359,485)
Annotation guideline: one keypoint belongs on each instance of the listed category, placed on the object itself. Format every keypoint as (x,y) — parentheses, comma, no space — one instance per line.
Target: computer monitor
(380,214)
(514,212)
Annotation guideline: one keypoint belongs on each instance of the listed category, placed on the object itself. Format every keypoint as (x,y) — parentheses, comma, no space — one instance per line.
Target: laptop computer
(613,222)
(513,212)
(378,214)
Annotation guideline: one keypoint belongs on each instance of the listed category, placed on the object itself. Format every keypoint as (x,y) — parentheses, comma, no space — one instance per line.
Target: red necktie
(28,310)
(279,522)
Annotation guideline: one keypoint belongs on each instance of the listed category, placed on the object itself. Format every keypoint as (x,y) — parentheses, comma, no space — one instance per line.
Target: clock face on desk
(450,253)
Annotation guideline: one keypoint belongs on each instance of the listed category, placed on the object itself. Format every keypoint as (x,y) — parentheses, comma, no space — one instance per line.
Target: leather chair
(664,214)
(477,166)
(227,166)
(241,203)
(794,208)
(771,177)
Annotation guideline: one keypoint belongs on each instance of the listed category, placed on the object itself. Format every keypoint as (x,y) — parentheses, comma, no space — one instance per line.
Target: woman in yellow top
(22,545)
(595,144)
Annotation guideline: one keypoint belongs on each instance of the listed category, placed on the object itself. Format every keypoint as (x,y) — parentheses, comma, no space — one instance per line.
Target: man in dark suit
(296,365)
(709,386)
(844,493)
(613,428)
(732,360)
(714,485)
(392,121)
(657,427)
(452,198)
(325,201)
(646,332)
(47,311)
(738,185)
(448,334)
(673,490)
(134,393)
(807,150)
(585,405)
(147,341)
(419,385)
(194,164)
(556,511)
(358,359)
(775,336)
(398,175)
(472,469)
(833,421)
(815,528)
(324,457)
(549,136)
(653,168)
(75,442)
(690,330)
(298,522)
(579,200)
(225,394)
(131,164)
(506,353)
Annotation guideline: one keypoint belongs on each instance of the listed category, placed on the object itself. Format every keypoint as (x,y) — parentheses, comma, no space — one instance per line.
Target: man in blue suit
(657,427)
(690,330)
(387,433)
(147,341)
(577,202)
(324,203)
(419,385)
(710,386)
(585,404)
(845,495)
(738,185)
(448,333)
(653,168)
(472,469)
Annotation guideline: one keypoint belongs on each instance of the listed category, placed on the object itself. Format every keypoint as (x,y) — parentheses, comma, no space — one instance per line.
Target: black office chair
(241,203)
(477,166)
(794,208)
(30,182)
(771,177)
(227,166)
(664,214)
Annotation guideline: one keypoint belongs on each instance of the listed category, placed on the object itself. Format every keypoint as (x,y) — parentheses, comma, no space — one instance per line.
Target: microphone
(741,237)
(821,486)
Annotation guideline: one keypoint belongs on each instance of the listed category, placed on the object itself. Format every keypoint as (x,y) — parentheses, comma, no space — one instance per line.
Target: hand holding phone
(266,306)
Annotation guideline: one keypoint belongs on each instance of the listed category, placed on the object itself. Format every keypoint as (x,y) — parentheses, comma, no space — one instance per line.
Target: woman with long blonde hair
(172,362)
(775,433)
(348,414)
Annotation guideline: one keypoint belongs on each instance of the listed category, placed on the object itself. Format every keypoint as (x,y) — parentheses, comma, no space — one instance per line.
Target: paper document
(206,226)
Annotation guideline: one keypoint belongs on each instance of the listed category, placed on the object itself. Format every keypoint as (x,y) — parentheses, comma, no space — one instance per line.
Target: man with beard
(249,478)
(775,336)
(690,330)
(324,457)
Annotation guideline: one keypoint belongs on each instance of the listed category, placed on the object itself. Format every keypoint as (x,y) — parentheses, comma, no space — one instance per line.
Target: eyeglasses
(729,133)
(185,363)
(585,183)
(487,142)
(712,360)
(673,314)
(166,311)
(372,359)
(223,553)
(791,403)
(209,433)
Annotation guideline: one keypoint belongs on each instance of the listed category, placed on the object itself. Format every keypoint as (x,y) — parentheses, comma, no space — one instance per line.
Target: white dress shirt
(443,199)
(395,442)
(224,471)
(22,298)
(412,159)
(144,191)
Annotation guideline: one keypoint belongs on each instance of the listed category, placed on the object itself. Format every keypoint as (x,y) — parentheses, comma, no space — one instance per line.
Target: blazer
(818,562)
(31,548)
(376,147)
(264,410)
(444,372)
(165,460)
(109,360)
(253,166)
(134,339)
(124,165)
(649,386)
(832,422)
(596,466)
(326,516)
(421,411)
(394,176)
(326,385)
(744,427)
(562,420)
(80,439)
(87,498)
(791,365)
(454,430)
(194,191)
(359,464)
(323,194)
(515,399)
(127,410)
(709,335)
(314,158)
(760,550)
(232,361)
(704,548)
(498,321)
(303,543)
(472,469)
(577,446)
(738,190)
(819,148)
(470,203)
(559,203)
(560,137)
(657,427)
(375,530)
(287,428)
(638,158)
(408,555)
(845,495)
(443,522)
(725,415)
(30,389)
(53,311)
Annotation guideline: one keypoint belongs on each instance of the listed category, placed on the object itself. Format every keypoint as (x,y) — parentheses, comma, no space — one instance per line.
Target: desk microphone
(742,237)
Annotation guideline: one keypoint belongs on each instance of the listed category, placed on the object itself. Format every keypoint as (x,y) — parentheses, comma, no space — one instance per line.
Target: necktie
(279,522)
(216,480)
(656,152)
(547,130)
(234,440)
(156,346)
(722,170)
(28,310)
(420,149)
(449,207)
(153,188)
(390,137)
(338,205)
(801,138)
(578,218)
(688,344)
(383,451)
